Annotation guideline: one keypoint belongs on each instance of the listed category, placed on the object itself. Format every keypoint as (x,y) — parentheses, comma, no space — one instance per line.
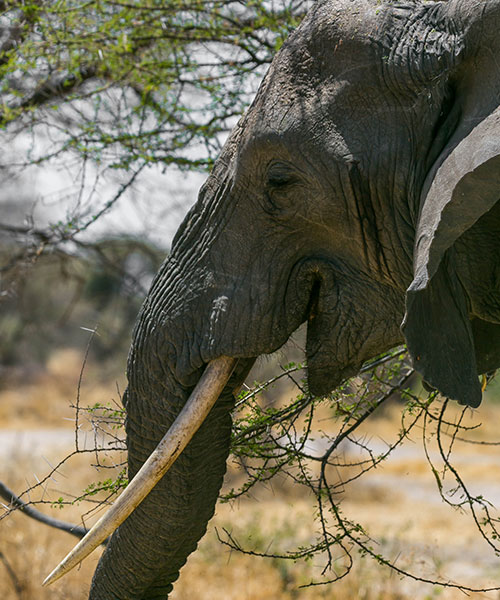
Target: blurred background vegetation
(60,295)
(110,114)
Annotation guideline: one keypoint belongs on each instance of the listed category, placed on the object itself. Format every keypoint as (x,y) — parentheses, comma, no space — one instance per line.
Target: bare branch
(16,503)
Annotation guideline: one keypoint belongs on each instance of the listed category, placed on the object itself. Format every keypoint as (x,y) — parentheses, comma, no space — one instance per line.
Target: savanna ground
(398,503)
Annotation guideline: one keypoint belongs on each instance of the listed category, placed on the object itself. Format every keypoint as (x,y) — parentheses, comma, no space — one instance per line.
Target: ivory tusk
(203,397)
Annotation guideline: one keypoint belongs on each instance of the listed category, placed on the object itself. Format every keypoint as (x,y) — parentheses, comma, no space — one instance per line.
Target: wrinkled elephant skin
(358,194)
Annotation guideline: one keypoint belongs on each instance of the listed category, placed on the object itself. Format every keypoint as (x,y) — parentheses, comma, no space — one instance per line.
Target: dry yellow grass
(31,548)
(398,503)
(45,399)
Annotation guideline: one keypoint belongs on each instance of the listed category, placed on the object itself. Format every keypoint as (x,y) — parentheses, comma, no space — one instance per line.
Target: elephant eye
(282,183)
(279,175)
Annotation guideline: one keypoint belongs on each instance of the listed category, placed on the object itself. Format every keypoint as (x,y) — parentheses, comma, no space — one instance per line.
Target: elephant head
(362,184)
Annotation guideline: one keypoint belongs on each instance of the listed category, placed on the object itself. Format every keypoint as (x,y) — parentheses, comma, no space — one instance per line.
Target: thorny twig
(278,449)
(16,502)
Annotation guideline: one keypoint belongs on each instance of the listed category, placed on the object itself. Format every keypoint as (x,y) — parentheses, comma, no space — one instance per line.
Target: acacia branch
(16,503)
(57,87)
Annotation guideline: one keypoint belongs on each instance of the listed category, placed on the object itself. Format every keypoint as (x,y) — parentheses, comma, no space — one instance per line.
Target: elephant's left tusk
(188,421)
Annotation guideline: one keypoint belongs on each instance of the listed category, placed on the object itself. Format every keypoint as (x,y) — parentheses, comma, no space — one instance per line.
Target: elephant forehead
(305,147)
(334,43)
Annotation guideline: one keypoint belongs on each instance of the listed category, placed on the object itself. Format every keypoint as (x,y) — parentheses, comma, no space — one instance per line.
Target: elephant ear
(437,326)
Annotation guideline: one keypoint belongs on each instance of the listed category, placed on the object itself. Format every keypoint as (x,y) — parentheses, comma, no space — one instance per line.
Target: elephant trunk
(145,554)
(177,334)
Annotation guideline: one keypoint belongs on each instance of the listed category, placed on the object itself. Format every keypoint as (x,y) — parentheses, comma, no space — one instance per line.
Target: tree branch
(16,503)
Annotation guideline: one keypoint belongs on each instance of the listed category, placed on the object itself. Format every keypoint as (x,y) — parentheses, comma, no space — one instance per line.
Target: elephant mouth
(325,371)
(309,298)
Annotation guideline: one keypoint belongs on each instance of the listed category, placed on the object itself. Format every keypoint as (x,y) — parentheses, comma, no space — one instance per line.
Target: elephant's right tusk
(188,421)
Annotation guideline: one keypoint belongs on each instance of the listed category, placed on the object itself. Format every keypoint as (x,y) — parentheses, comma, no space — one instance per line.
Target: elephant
(358,194)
